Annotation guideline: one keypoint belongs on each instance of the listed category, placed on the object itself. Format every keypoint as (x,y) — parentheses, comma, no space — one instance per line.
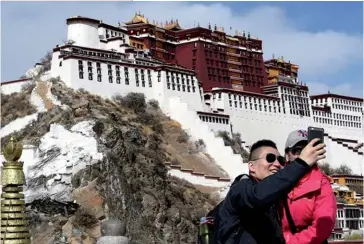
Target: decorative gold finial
(13,150)
(14,223)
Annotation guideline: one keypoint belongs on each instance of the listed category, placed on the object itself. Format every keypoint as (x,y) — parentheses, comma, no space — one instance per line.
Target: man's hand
(311,154)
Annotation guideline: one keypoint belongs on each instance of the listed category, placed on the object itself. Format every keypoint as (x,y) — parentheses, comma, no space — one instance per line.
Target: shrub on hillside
(225,136)
(134,101)
(147,113)
(183,137)
(200,144)
(14,106)
(353,237)
(34,219)
(28,86)
(84,217)
(153,103)
(235,143)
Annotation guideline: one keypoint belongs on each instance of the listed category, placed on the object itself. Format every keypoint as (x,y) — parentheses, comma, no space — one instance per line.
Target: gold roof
(138,19)
(173,25)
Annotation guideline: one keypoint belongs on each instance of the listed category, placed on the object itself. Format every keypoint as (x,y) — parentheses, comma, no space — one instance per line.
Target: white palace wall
(338,155)
(84,33)
(158,90)
(11,87)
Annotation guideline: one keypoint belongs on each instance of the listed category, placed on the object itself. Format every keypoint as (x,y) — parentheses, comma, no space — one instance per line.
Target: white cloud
(342,89)
(324,53)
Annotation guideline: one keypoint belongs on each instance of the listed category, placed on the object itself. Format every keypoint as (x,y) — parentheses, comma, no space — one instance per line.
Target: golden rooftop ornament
(13,222)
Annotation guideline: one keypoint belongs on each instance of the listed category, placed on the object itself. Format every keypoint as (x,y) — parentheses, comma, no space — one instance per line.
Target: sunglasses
(271,158)
(296,150)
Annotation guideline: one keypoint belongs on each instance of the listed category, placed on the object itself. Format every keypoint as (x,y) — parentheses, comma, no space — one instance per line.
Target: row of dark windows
(337,122)
(255,106)
(295,99)
(299,111)
(212,119)
(338,101)
(291,91)
(250,99)
(216,47)
(222,59)
(346,107)
(117,72)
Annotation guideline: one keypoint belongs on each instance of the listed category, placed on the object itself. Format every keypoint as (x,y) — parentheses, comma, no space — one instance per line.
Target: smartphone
(315,132)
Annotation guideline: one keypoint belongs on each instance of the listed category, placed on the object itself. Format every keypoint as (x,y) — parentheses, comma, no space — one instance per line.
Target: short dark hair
(259,144)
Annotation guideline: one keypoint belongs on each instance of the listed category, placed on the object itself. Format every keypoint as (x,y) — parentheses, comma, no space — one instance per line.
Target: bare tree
(343,170)
(326,168)
(46,61)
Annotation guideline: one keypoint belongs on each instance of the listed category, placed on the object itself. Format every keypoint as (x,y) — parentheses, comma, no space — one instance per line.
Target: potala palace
(208,81)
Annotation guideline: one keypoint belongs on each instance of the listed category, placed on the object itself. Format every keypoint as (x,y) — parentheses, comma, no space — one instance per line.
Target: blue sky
(324,38)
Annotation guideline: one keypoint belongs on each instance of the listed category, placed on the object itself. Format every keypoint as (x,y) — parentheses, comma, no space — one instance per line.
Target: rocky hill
(105,158)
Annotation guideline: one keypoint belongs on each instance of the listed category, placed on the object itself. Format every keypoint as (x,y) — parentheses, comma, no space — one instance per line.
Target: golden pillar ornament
(13,222)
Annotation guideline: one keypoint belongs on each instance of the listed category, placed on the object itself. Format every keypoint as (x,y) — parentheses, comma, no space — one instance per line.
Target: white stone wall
(338,155)
(8,88)
(84,33)
(215,123)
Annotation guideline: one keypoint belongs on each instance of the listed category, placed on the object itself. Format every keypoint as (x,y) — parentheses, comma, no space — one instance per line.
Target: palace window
(89,67)
(126,73)
(80,69)
(136,77)
(98,71)
(109,71)
(117,68)
(168,81)
(172,79)
(149,78)
(159,76)
(143,80)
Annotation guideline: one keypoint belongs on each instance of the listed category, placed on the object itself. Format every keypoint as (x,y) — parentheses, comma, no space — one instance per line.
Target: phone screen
(314,132)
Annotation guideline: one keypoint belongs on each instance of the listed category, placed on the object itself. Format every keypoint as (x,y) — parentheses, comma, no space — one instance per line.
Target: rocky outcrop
(119,173)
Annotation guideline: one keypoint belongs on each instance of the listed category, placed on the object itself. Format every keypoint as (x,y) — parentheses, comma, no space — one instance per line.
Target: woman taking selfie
(309,212)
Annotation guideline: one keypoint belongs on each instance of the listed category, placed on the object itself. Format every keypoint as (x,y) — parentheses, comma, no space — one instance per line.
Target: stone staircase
(195,177)
(223,155)
(346,143)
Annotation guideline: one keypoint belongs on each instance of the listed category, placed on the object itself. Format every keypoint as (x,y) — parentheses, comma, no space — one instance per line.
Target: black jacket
(249,214)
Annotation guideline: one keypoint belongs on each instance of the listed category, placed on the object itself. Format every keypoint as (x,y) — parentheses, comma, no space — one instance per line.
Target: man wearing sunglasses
(310,210)
(249,213)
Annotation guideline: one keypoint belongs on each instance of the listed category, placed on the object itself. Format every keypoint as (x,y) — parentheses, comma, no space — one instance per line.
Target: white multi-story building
(349,220)
(99,58)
